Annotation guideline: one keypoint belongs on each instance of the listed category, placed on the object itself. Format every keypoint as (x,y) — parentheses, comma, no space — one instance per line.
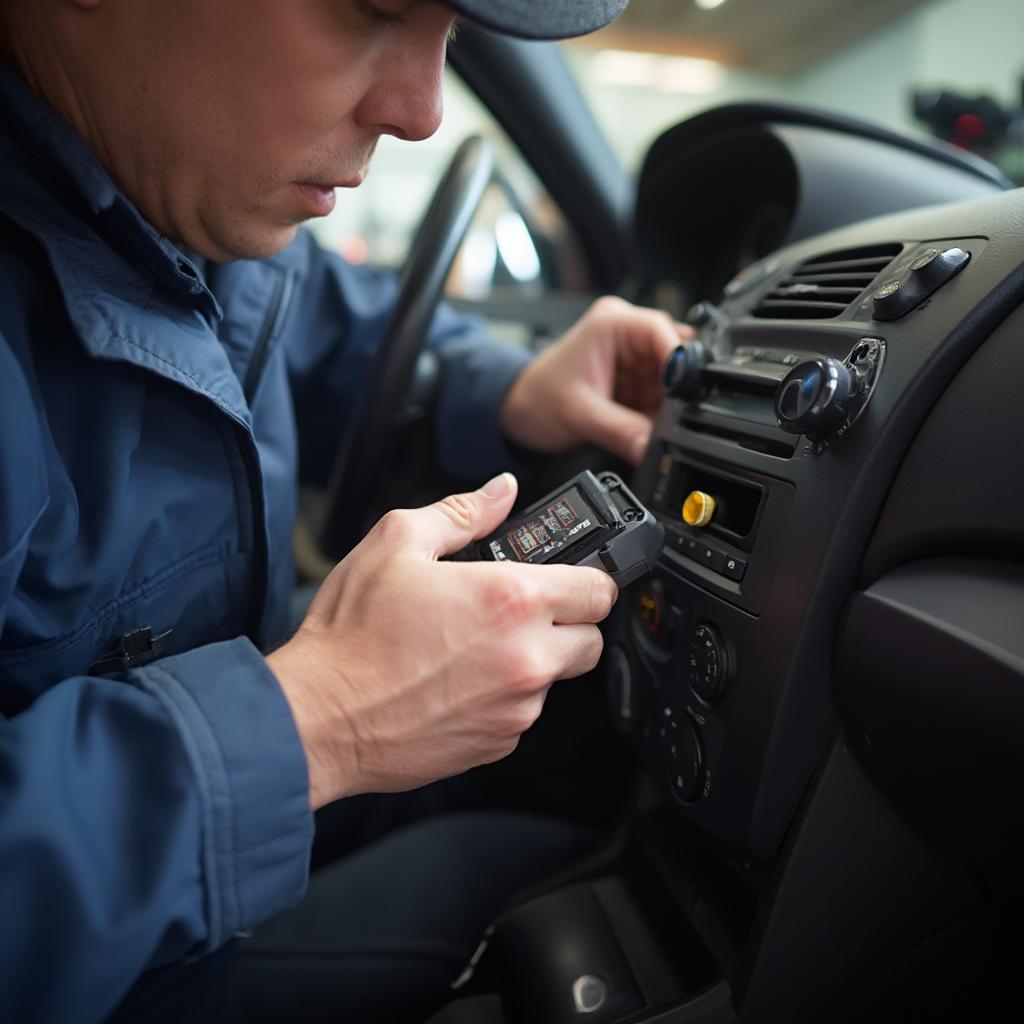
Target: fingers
(551,654)
(623,431)
(642,330)
(450,524)
(568,652)
(638,341)
(568,594)
(579,650)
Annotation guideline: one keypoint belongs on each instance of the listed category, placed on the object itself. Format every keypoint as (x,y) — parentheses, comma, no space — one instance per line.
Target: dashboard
(739,181)
(807,410)
(826,676)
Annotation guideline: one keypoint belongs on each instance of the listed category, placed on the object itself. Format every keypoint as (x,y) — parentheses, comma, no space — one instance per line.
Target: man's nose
(406,101)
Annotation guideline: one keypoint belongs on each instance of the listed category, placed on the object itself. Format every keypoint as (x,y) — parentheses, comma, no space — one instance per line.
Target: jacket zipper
(260,354)
(261,349)
(261,568)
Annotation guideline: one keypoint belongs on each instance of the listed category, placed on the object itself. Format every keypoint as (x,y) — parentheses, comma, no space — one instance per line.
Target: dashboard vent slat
(825,286)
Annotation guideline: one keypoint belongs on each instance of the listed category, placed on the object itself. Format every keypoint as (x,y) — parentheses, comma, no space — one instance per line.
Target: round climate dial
(708,662)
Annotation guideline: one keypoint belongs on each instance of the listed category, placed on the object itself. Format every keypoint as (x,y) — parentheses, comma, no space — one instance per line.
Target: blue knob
(814,397)
(683,373)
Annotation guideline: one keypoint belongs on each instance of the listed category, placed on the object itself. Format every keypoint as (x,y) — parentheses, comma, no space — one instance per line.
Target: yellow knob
(698,508)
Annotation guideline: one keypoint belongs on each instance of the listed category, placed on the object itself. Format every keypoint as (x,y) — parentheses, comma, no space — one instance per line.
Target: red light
(970,126)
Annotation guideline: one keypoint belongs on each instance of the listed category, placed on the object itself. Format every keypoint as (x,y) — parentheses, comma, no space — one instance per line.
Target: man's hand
(600,383)
(408,669)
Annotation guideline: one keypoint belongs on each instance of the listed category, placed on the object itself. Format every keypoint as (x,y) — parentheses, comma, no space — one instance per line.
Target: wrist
(528,418)
(324,731)
(512,409)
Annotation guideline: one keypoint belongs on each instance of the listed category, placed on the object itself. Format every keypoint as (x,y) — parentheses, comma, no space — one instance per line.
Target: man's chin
(257,244)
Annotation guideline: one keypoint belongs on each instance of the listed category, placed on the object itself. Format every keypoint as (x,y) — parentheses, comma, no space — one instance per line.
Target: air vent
(824,287)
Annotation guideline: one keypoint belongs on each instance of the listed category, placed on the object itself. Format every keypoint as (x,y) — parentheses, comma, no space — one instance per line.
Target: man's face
(228,122)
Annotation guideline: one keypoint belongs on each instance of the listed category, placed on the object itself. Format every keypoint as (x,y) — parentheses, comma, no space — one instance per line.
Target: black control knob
(684,754)
(708,663)
(684,372)
(814,397)
(701,313)
(893,299)
(934,267)
(929,272)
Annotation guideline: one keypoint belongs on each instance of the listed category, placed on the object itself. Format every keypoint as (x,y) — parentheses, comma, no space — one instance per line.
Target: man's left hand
(599,384)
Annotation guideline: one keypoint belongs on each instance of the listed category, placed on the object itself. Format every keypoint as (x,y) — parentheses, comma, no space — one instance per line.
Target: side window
(518,245)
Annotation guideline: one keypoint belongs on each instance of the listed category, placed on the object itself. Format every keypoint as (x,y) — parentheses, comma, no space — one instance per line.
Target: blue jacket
(153,426)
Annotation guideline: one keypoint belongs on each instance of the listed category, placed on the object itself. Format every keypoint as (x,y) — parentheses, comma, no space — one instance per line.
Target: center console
(789,412)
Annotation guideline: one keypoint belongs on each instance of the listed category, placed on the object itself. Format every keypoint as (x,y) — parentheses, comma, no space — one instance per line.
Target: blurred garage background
(952,69)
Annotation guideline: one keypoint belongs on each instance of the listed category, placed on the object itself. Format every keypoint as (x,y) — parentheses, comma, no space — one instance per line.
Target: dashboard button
(705,555)
(735,568)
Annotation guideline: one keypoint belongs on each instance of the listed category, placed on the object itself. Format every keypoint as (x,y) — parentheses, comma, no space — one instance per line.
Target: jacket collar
(43,160)
(130,294)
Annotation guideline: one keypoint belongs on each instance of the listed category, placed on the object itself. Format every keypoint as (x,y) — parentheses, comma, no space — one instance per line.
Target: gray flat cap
(541,19)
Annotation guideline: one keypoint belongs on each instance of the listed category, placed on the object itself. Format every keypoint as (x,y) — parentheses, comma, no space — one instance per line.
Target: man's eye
(378,14)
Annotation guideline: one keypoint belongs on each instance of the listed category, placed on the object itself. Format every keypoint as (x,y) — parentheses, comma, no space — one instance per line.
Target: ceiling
(773,36)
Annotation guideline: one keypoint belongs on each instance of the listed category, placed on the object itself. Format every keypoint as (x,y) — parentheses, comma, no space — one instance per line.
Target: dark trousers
(383,932)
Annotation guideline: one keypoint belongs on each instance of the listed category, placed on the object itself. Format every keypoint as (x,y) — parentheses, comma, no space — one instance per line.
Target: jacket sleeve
(339,316)
(141,819)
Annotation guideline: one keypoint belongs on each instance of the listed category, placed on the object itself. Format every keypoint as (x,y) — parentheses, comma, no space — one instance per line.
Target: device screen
(547,531)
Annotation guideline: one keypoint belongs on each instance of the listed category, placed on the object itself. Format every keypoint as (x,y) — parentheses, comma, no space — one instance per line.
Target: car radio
(815,395)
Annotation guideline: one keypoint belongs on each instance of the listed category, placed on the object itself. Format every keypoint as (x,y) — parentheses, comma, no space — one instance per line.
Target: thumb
(450,524)
(624,432)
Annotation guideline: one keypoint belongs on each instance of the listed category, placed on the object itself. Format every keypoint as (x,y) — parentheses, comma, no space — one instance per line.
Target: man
(170,359)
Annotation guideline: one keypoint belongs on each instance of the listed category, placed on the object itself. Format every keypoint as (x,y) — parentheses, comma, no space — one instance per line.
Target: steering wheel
(356,473)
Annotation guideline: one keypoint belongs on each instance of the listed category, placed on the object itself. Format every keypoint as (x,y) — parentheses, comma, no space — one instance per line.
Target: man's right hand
(407,669)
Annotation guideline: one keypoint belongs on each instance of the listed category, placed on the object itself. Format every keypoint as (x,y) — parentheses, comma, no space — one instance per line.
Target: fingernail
(499,486)
(639,446)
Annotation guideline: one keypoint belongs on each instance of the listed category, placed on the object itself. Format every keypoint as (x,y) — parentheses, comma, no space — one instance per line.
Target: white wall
(633,116)
(975,46)
(971,46)
(872,79)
